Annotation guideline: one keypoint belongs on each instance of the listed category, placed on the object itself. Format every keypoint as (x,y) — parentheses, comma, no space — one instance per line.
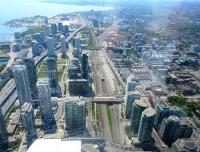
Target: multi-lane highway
(99,90)
(109,114)
(112,131)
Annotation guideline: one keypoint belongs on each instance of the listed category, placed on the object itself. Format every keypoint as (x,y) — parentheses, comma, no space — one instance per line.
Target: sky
(99,0)
(120,0)
(104,0)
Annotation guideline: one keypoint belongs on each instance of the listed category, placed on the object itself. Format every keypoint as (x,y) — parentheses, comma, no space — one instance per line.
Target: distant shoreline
(6,32)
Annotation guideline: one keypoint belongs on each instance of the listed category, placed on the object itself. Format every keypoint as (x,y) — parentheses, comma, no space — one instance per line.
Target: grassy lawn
(65,88)
(42,75)
(95,114)
(60,67)
(109,117)
(39,65)
(90,42)
(61,61)
(42,69)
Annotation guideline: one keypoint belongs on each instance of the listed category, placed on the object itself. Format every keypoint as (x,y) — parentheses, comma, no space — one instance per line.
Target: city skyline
(102,76)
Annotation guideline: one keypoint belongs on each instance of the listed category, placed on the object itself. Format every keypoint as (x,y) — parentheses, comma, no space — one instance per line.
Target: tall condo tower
(138,107)
(22,83)
(44,92)
(146,125)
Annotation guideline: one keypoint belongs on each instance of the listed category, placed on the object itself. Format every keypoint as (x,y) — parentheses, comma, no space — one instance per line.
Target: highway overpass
(107,100)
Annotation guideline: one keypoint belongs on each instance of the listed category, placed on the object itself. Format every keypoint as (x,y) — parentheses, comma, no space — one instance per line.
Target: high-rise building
(58,36)
(46,29)
(35,49)
(65,29)
(46,21)
(51,47)
(164,112)
(130,98)
(169,129)
(77,42)
(185,145)
(76,53)
(78,87)
(54,29)
(75,114)
(16,47)
(22,83)
(28,121)
(60,27)
(63,47)
(84,39)
(44,92)
(53,77)
(3,132)
(146,125)
(186,129)
(138,107)
(131,83)
(74,72)
(42,35)
(83,47)
(31,69)
(39,38)
(75,62)
(84,63)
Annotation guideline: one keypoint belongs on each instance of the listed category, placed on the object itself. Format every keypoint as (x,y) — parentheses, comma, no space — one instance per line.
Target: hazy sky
(104,0)
(119,0)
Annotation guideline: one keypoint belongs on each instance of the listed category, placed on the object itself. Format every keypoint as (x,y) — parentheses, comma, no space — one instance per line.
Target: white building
(55,145)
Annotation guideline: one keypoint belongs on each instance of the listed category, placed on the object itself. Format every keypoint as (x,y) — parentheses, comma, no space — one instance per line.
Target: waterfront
(26,8)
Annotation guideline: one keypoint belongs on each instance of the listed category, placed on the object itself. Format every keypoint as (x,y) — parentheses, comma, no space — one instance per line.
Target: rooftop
(173,118)
(186,144)
(142,103)
(26,108)
(149,112)
(55,145)
(73,99)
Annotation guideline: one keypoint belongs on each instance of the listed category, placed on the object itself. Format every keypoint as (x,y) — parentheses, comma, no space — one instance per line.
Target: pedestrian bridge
(107,100)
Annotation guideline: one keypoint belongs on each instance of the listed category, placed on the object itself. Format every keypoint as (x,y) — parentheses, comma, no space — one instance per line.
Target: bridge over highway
(107,100)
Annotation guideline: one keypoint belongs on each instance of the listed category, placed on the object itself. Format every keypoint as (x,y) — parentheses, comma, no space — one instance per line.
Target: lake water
(11,9)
